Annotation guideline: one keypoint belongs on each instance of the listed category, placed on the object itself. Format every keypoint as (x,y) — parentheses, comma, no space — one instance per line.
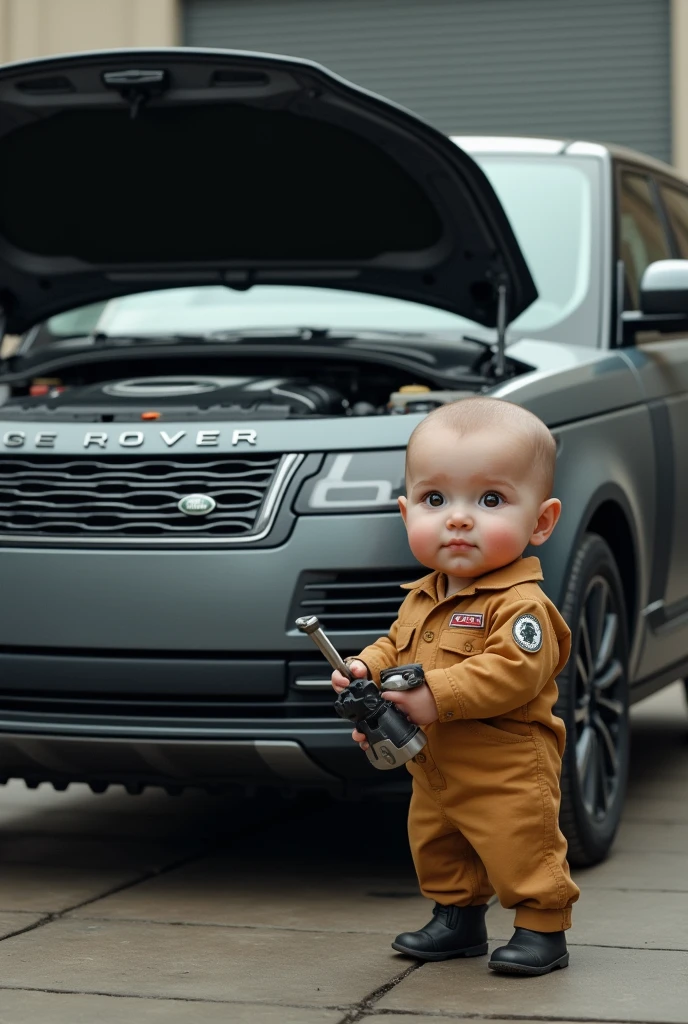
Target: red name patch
(467,620)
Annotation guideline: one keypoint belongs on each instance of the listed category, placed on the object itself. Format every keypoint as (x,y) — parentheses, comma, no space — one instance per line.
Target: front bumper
(174,722)
(196,602)
(182,667)
(209,764)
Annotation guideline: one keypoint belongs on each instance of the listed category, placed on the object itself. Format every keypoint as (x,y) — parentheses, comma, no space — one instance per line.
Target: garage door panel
(598,69)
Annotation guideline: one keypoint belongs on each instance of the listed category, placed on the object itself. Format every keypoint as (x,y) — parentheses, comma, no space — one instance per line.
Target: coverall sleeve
(381,654)
(504,676)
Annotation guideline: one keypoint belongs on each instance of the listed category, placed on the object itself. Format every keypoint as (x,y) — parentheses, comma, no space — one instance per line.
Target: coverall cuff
(447,701)
(543,920)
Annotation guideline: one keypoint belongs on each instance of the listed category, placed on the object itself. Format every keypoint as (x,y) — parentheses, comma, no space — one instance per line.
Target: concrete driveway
(192,909)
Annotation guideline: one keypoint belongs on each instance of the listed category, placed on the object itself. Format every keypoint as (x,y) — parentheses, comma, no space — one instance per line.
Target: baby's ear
(548,515)
(403,505)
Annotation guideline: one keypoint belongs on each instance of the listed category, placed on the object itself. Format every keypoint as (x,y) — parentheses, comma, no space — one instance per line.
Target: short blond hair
(471,414)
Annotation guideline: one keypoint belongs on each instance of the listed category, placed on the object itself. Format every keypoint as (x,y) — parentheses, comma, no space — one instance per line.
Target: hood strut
(500,360)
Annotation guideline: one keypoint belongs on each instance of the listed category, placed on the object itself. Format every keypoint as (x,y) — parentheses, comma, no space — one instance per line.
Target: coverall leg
(489,818)
(449,870)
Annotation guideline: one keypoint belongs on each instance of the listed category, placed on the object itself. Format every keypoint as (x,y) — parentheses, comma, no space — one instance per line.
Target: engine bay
(362,391)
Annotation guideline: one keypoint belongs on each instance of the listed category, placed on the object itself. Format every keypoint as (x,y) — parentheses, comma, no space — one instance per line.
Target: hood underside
(128,170)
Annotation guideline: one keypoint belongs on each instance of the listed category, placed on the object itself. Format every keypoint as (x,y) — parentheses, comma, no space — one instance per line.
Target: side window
(641,234)
(676,204)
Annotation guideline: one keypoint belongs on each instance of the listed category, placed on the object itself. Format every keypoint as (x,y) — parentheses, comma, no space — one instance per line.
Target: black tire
(593,701)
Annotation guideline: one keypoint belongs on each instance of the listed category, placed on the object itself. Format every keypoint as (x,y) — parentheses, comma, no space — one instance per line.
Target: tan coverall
(485,804)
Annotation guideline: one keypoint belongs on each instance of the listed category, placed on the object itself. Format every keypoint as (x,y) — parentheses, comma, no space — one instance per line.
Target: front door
(653,225)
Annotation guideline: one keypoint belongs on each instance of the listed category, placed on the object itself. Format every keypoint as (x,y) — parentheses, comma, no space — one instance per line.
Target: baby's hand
(359,737)
(418,705)
(340,682)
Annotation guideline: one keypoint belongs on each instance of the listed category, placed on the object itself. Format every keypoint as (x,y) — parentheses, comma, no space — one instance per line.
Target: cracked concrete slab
(228,892)
(412,1018)
(15,922)
(636,837)
(656,809)
(51,890)
(233,964)
(24,1007)
(600,985)
(631,870)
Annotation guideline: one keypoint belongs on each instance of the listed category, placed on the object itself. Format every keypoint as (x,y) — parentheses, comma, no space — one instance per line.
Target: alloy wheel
(599,713)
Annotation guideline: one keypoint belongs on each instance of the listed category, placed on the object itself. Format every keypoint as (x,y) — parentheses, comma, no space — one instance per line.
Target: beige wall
(679,82)
(35,28)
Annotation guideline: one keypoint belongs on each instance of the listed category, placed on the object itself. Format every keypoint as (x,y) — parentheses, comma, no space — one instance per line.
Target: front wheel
(593,701)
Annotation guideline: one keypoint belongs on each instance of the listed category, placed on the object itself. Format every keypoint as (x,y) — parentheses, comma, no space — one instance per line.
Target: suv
(239,283)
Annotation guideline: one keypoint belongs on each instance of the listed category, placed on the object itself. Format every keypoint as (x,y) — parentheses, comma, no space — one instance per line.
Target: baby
(485,802)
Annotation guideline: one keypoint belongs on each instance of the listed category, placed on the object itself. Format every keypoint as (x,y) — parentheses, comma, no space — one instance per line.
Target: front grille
(127,497)
(358,600)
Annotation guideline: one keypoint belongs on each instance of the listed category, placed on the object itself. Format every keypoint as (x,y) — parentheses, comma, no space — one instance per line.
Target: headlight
(355,482)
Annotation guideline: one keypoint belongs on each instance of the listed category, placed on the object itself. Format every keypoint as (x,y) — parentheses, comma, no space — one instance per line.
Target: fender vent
(357,601)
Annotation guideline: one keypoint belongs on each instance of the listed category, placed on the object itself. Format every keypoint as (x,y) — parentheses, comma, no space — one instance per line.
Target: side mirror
(663,300)
(664,288)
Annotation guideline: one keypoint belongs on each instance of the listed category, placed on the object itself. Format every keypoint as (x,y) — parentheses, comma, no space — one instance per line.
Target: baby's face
(473,501)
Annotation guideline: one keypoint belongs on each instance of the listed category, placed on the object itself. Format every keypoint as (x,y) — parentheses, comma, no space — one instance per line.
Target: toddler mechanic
(483,816)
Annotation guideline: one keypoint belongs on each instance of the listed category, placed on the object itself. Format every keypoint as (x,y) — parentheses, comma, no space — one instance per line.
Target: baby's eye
(434,499)
(491,500)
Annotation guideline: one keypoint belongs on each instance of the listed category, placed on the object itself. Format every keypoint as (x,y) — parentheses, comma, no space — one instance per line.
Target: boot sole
(505,968)
(480,950)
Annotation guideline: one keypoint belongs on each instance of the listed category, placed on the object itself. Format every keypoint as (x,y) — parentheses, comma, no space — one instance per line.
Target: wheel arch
(608,514)
(611,523)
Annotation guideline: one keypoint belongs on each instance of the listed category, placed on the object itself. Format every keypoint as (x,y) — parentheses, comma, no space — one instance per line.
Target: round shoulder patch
(527,632)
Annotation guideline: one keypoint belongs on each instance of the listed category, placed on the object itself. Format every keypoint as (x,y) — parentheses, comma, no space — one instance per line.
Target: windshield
(550,204)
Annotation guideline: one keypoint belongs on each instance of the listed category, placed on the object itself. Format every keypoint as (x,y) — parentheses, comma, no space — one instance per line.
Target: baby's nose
(460,517)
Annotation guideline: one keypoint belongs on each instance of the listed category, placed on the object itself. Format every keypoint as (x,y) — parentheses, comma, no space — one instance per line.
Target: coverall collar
(523,570)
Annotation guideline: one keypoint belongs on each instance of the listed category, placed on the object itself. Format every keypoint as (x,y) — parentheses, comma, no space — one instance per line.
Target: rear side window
(641,234)
(676,204)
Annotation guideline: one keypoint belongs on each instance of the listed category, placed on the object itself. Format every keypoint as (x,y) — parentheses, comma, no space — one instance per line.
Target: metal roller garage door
(596,69)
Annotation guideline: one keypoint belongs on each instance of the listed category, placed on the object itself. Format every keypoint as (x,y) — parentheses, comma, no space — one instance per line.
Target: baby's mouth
(459,545)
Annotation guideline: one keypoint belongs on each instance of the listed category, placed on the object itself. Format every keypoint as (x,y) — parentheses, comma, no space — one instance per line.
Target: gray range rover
(235,284)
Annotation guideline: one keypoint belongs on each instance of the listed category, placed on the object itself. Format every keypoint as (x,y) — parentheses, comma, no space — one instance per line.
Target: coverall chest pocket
(457,644)
(404,643)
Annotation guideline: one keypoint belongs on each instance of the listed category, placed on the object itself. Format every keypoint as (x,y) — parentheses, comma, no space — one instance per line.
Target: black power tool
(393,740)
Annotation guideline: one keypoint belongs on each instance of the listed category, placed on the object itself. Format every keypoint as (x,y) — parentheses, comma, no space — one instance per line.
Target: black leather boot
(453,931)
(529,952)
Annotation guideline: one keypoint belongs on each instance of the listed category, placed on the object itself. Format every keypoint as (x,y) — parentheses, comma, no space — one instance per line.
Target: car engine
(177,398)
(214,397)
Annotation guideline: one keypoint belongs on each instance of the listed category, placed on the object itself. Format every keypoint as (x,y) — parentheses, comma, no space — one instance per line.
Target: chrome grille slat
(70,530)
(72,507)
(124,516)
(49,496)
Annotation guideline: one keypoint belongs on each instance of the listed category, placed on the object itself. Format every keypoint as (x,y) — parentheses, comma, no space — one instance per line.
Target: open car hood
(127,170)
